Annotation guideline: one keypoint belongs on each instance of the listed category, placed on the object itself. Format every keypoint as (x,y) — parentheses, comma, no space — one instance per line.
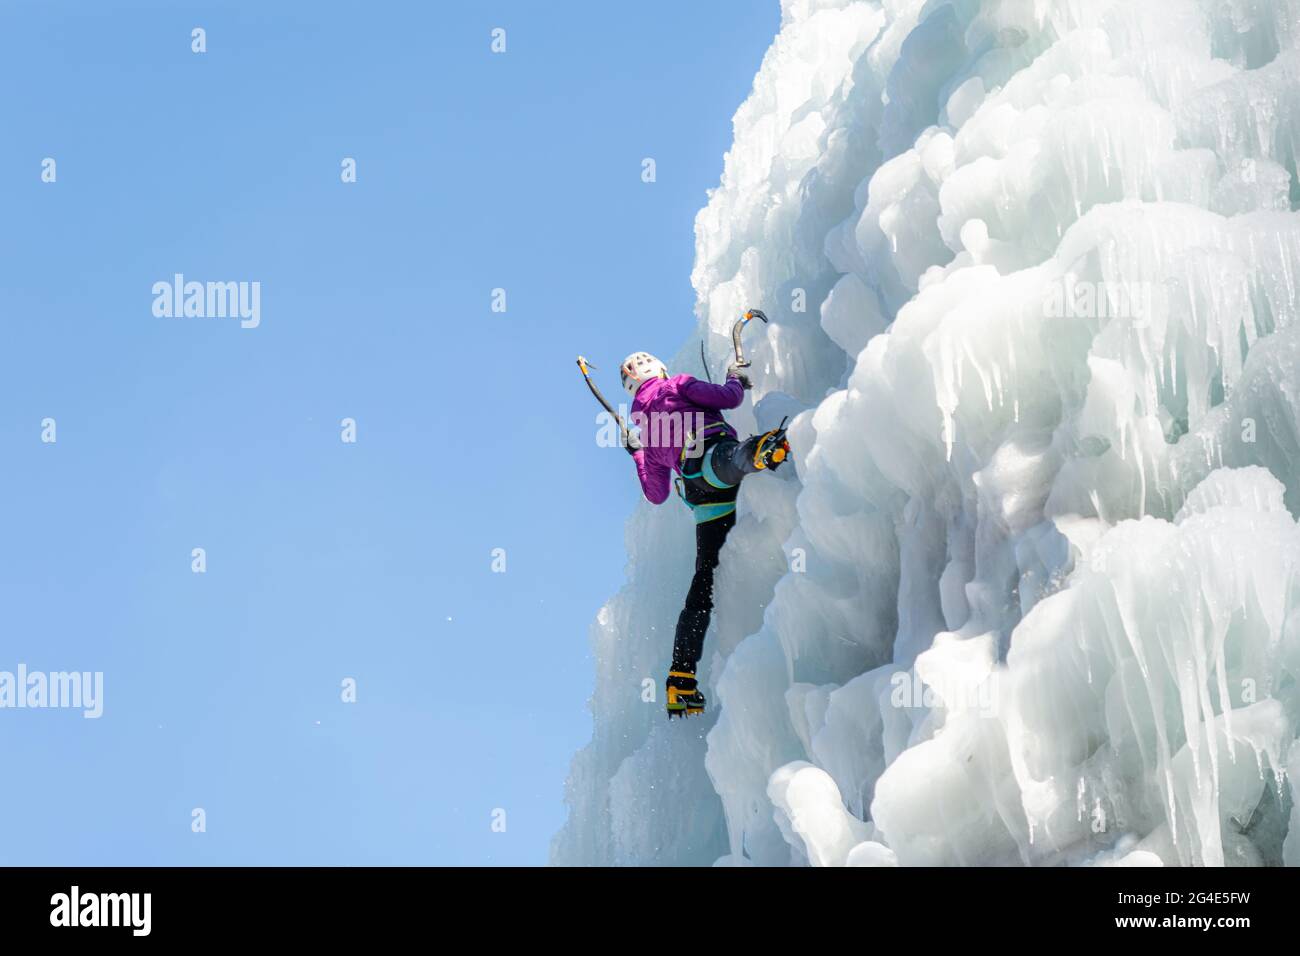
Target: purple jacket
(668,411)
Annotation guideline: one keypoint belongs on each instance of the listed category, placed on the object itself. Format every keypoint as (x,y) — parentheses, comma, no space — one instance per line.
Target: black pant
(731,461)
(688,644)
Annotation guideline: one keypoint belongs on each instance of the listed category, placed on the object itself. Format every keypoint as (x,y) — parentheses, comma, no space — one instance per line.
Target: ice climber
(682,430)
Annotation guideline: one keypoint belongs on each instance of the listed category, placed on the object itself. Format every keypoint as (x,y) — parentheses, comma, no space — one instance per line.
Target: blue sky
(328,560)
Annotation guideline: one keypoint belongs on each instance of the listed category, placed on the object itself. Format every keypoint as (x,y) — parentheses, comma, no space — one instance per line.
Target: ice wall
(1033,594)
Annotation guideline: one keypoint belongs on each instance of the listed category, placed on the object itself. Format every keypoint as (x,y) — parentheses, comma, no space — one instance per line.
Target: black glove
(736,372)
(633,443)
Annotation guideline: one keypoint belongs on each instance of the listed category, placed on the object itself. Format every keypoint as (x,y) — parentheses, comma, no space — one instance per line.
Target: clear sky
(329,560)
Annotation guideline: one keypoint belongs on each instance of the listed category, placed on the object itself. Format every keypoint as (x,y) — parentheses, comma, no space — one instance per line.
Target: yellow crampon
(682,702)
(772,449)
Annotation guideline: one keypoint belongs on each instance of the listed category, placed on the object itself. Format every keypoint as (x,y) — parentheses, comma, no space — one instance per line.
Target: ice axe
(584,365)
(741,361)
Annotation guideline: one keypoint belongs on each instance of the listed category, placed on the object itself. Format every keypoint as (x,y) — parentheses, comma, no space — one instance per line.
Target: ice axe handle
(741,361)
(584,366)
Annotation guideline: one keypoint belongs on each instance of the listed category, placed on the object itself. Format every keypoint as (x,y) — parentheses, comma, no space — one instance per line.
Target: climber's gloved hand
(633,443)
(738,373)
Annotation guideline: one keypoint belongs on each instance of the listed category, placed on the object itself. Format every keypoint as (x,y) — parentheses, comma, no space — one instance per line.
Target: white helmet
(640,367)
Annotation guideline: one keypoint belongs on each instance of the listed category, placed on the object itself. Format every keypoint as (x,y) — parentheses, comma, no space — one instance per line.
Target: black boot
(684,697)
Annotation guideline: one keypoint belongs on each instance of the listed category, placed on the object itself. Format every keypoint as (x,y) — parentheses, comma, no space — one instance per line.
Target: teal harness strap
(712,512)
(711,476)
(708,511)
(707,464)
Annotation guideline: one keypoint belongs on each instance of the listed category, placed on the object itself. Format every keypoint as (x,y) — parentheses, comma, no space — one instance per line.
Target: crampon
(772,449)
(684,697)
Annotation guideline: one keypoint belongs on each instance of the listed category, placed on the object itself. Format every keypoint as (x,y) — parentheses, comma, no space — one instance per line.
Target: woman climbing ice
(689,436)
